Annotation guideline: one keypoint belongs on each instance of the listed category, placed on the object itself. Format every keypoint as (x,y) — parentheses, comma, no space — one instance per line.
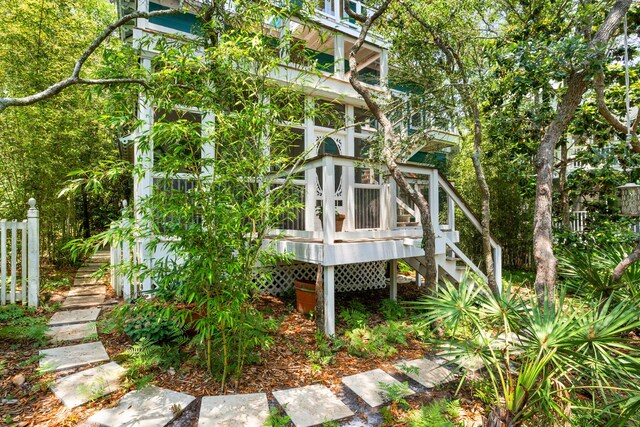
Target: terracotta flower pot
(339,221)
(305,296)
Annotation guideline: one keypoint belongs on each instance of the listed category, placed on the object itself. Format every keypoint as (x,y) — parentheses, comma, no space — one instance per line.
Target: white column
(33,262)
(393,280)
(497,266)
(328,201)
(309,174)
(348,173)
(23,244)
(143,6)
(393,205)
(451,213)
(434,201)
(144,186)
(208,149)
(418,279)
(384,68)
(339,56)
(329,303)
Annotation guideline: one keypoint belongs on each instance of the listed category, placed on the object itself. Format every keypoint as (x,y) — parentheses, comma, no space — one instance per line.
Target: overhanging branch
(74,78)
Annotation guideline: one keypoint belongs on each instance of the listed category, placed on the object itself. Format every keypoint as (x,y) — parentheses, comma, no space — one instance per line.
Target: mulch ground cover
(285,364)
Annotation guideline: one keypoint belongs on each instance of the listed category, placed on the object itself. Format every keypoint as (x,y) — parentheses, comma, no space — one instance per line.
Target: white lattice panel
(349,277)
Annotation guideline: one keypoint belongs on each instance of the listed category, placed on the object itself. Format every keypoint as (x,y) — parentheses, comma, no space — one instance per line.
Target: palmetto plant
(589,272)
(542,362)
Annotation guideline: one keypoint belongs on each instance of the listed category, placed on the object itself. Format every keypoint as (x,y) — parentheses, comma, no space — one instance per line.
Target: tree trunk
(485,196)
(542,231)
(562,186)
(499,417)
(625,263)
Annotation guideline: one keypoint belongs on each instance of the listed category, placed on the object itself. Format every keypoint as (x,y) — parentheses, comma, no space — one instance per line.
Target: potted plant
(339,217)
(403,217)
(305,295)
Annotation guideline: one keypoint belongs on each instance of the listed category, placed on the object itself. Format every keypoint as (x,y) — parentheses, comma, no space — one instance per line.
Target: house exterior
(381,225)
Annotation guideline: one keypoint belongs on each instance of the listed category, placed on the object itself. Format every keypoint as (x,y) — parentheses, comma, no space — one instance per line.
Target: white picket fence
(125,262)
(20,238)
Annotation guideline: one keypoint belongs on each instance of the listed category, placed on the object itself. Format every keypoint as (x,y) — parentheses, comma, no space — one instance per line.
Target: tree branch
(610,117)
(74,78)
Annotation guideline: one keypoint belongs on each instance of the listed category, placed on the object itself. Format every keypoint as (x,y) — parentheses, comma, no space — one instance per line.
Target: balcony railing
(373,205)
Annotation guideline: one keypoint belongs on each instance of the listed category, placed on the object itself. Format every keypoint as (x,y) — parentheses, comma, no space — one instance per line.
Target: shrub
(553,353)
(147,320)
(392,310)
(354,318)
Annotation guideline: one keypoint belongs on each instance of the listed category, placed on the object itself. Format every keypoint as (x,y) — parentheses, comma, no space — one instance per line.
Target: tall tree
(391,141)
(448,38)
(575,85)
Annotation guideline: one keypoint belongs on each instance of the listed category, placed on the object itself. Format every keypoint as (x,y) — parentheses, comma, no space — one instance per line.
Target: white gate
(20,239)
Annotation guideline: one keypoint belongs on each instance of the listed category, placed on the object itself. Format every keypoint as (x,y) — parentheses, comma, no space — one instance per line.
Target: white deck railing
(376,209)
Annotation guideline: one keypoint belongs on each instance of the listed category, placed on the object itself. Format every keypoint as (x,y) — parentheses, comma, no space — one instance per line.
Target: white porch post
(349,173)
(384,68)
(339,56)
(434,201)
(144,187)
(33,263)
(393,280)
(393,204)
(418,279)
(329,303)
(328,200)
(451,214)
(497,266)
(309,174)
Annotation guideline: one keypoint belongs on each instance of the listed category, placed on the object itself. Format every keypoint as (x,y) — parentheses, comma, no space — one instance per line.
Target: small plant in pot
(339,217)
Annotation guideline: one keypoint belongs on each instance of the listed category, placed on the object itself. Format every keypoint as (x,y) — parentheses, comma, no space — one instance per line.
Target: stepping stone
(92,265)
(87,290)
(81,301)
(239,410)
(86,276)
(81,387)
(73,356)
(311,405)
(366,386)
(471,363)
(74,316)
(83,282)
(149,407)
(429,373)
(78,331)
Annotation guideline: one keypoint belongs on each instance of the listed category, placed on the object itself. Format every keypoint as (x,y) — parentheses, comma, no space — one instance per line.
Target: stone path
(153,406)
(76,325)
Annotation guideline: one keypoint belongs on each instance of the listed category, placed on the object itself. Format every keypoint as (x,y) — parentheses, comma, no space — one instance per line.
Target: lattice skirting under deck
(348,277)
